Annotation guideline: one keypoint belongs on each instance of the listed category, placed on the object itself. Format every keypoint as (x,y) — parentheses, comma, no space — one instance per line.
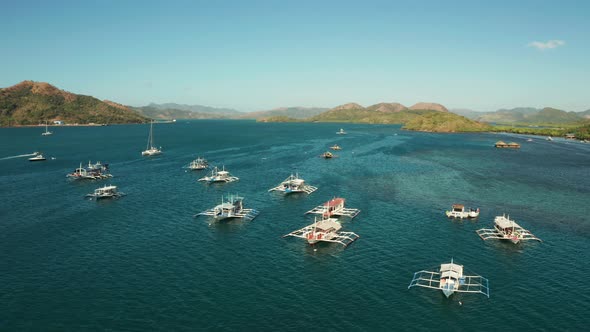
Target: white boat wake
(19,156)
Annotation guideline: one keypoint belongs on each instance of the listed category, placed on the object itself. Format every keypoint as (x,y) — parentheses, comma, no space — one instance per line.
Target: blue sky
(254,55)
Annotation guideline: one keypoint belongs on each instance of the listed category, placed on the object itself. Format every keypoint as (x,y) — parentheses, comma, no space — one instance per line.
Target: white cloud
(546,45)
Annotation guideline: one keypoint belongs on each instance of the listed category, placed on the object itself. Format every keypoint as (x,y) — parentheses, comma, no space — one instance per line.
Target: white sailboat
(47,132)
(151,150)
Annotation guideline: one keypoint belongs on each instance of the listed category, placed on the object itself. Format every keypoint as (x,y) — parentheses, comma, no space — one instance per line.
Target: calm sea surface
(144,263)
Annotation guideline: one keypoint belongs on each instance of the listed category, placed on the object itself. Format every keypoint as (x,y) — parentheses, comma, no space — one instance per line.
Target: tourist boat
(105,192)
(506,229)
(449,278)
(219,176)
(94,171)
(458,211)
(47,132)
(38,157)
(341,132)
(150,149)
(231,207)
(327,155)
(334,207)
(335,147)
(198,164)
(324,230)
(294,184)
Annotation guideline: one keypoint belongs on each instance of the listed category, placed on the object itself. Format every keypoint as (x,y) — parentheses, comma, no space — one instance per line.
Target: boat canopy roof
(326,224)
(458,206)
(451,269)
(222,172)
(505,222)
(334,202)
(297,181)
(107,188)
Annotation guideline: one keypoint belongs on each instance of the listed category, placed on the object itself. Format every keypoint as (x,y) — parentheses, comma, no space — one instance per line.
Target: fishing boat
(198,164)
(150,149)
(459,211)
(506,229)
(231,207)
(327,155)
(449,278)
(47,132)
(105,192)
(38,157)
(96,171)
(324,230)
(219,176)
(335,147)
(294,184)
(334,207)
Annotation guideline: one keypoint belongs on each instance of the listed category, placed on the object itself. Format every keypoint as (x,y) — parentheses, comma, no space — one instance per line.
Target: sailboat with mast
(151,150)
(47,132)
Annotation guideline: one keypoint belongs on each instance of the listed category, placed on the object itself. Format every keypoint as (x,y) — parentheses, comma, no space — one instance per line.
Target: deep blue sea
(143,263)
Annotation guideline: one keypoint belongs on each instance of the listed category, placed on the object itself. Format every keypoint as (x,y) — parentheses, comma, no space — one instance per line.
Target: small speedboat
(38,157)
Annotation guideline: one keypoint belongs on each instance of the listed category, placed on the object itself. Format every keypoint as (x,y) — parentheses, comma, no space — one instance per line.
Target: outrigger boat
(341,132)
(458,211)
(294,184)
(231,207)
(219,176)
(506,229)
(38,157)
(449,279)
(105,192)
(334,207)
(324,230)
(151,150)
(198,164)
(335,147)
(95,171)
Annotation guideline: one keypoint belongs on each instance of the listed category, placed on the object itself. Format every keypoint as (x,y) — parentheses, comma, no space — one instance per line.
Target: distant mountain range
(31,103)
(291,112)
(526,115)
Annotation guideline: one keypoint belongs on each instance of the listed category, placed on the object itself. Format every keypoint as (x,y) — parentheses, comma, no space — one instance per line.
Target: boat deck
(304,189)
(245,214)
(343,238)
(521,234)
(344,212)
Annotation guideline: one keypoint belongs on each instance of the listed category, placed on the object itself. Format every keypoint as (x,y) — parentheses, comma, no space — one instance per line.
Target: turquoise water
(144,263)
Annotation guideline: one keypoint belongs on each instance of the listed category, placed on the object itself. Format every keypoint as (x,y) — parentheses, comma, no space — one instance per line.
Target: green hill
(444,122)
(30,103)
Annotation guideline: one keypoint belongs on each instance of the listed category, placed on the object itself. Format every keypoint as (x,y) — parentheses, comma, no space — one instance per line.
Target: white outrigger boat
(151,150)
(324,230)
(449,279)
(219,176)
(105,192)
(459,211)
(198,164)
(341,132)
(231,207)
(335,147)
(294,184)
(38,157)
(506,229)
(96,171)
(334,207)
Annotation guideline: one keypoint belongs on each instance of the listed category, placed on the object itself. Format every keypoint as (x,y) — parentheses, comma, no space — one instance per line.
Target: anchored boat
(198,164)
(334,207)
(341,132)
(219,176)
(151,150)
(327,155)
(459,211)
(105,192)
(46,132)
(335,147)
(231,207)
(506,229)
(449,278)
(294,184)
(94,171)
(324,230)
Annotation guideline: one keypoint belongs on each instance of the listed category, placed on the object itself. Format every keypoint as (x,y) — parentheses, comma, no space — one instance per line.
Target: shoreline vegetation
(33,104)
